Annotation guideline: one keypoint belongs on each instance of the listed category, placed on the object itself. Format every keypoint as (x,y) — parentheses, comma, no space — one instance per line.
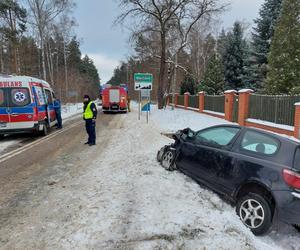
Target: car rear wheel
(255,212)
(44,132)
(168,159)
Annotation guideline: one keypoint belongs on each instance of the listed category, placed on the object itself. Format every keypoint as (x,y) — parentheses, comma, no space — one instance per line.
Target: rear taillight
(291,178)
(35,114)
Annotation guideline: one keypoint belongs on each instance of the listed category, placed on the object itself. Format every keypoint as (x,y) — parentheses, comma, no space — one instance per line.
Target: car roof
(23,79)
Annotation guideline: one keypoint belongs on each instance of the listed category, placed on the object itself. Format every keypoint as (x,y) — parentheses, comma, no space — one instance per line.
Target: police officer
(57,109)
(90,115)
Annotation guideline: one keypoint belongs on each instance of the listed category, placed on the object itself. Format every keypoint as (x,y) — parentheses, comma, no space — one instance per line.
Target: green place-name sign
(143,81)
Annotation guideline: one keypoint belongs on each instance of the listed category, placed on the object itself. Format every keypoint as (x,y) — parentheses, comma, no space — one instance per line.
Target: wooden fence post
(297,120)
(201,101)
(244,95)
(229,101)
(186,100)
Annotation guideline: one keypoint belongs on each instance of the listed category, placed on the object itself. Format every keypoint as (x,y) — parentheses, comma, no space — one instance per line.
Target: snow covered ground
(130,202)
(125,200)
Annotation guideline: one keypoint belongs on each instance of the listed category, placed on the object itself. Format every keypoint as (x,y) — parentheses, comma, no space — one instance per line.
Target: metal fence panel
(215,103)
(276,109)
(194,101)
(181,100)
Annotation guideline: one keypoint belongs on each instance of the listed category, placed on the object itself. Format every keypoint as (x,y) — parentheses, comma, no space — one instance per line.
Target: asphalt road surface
(28,173)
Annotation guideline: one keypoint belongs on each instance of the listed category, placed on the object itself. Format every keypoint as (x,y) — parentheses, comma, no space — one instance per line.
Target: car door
(207,157)
(50,106)
(21,107)
(255,159)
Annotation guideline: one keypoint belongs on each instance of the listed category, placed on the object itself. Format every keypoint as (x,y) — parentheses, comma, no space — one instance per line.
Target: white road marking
(18,151)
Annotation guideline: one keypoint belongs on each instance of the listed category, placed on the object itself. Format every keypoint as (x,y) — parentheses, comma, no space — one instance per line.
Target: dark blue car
(257,170)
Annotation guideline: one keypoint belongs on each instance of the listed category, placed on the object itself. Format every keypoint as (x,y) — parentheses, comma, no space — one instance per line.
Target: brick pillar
(297,121)
(229,101)
(186,100)
(244,95)
(201,101)
(176,100)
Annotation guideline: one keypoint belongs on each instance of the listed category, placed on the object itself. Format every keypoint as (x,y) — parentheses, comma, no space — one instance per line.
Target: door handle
(14,114)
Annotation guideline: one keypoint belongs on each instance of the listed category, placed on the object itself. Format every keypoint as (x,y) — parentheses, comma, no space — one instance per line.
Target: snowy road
(116,196)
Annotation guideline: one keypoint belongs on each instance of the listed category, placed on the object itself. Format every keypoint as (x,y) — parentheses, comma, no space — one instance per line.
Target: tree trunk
(161,88)
(66,70)
(43,55)
(1,58)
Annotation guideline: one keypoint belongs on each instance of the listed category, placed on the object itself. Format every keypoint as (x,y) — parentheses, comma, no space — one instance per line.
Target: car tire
(255,212)
(168,160)
(1,136)
(44,132)
(160,153)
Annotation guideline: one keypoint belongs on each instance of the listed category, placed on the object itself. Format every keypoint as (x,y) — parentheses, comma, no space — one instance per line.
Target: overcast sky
(108,45)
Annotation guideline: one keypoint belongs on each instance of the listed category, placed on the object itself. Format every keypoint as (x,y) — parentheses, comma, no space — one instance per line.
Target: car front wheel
(255,212)
(168,160)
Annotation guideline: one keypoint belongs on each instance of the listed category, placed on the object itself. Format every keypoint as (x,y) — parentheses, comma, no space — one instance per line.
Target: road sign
(145,93)
(145,106)
(143,81)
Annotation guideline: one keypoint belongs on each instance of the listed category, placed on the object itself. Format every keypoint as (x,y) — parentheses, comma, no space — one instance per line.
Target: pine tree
(234,58)
(74,54)
(262,36)
(188,85)
(213,80)
(284,58)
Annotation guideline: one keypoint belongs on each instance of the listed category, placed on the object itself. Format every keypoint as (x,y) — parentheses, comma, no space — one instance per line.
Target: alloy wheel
(252,213)
(167,160)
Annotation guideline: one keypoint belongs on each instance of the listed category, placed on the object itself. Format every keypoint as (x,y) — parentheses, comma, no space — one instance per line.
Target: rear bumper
(34,128)
(288,205)
(114,109)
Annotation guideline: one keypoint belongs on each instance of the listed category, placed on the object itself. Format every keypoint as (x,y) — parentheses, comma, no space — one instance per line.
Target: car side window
(259,143)
(40,95)
(297,159)
(2,99)
(221,136)
(48,96)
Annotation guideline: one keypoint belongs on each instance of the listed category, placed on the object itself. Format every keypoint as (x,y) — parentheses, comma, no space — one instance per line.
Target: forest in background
(191,55)
(37,39)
